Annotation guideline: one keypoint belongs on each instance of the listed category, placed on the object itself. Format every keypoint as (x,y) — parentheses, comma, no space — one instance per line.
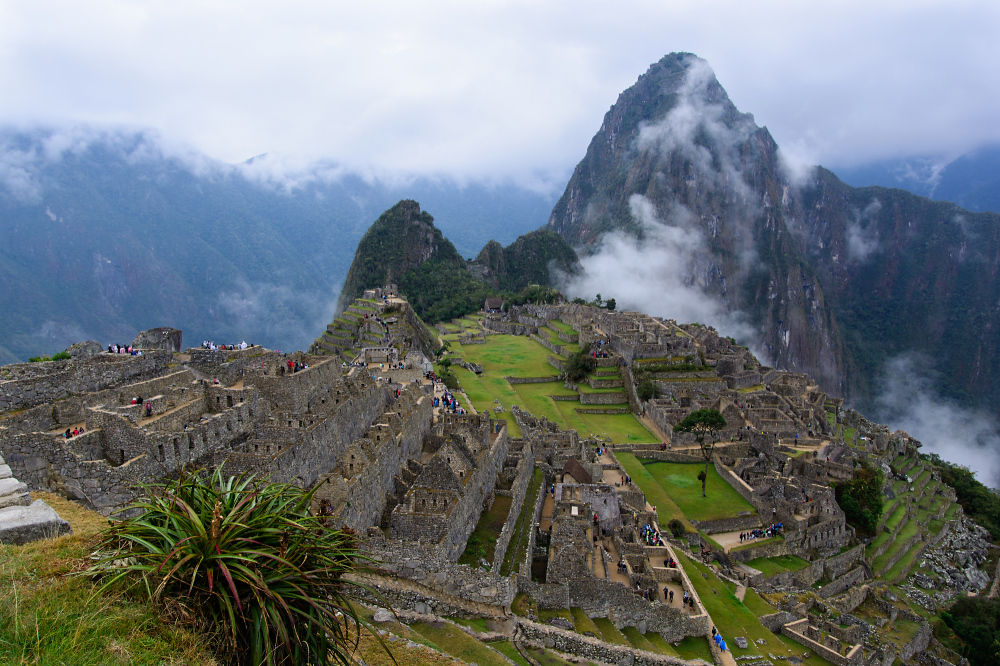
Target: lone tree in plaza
(703,423)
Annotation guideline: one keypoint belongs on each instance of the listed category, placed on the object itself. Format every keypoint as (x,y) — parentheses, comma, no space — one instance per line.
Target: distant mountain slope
(103,235)
(834,280)
(530,259)
(971,181)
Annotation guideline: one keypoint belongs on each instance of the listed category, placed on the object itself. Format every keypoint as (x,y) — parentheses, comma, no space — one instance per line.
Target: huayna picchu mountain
(403,247)
(835,280)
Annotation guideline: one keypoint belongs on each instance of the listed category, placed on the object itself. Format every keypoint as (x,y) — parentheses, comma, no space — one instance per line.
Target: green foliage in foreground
(976,620)
(979,502)
(861,498)
(247,561)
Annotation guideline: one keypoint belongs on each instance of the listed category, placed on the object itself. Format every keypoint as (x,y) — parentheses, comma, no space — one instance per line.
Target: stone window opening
(123,456)
(159,449)
(229,400)
(190,442)
(177,450)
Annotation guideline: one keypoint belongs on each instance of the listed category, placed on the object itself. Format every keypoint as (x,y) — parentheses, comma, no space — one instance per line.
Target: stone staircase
(21,520)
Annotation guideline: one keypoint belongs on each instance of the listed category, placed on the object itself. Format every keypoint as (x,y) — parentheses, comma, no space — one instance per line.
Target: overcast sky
(494,89)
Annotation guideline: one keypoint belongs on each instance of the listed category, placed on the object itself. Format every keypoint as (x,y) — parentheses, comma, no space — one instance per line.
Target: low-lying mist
(910,401)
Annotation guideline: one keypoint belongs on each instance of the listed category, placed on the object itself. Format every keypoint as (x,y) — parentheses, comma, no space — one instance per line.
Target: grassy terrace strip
(680,482)
(904,535)
(733,618)
(897,515)
(507,649)
(877,543)
(483,539)
(459,644)
(560,326)
(609,632)
(637,640)
(770,566)
(655,494)
(518,547)
(896,570)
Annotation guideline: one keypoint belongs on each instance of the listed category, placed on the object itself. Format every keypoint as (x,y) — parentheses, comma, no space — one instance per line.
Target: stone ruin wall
(34,384)
(408,426)
(519,488)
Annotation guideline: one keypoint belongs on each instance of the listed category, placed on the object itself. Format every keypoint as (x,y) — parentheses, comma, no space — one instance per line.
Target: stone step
(24,524)
(11,486)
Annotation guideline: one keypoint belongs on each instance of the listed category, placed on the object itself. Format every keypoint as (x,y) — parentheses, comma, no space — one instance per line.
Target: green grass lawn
(756,603)
(897,515)
(732,617)
(609,632)
(877,543)
(770,566)
(655,494)
(513,355)
(584,624)
(680,482)
(661,644)
(896,570)
(484,537)
(518,356)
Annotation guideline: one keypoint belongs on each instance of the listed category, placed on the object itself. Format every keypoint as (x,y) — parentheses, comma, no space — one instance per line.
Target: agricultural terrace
(520,356)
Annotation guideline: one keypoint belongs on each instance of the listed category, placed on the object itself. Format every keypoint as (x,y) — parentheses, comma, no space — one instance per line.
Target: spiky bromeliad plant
(248,561)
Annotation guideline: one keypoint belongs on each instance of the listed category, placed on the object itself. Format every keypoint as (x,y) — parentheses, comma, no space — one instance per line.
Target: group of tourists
(687,600)
(626,481)
(449,403)
(670,563)
(650,536)
(72,433)
(208,344)
(717,637)
(123,349)
(649,594)
(765,533)
(294,366)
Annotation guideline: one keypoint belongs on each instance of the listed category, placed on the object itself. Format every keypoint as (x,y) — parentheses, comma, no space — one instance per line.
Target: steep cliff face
(674,145)
(906,274)
(835,280)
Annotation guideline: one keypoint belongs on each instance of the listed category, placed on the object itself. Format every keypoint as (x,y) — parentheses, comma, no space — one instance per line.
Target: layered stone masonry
(522,480)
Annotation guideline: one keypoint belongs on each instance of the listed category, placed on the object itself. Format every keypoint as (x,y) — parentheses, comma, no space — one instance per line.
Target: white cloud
(861,232)
(910,401)
(662,275)
(500,89)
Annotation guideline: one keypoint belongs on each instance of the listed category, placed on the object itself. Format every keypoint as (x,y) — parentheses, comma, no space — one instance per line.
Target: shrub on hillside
(578,366)
(647,390)
(976,620)
(676,528)
(247,561)
(861,498)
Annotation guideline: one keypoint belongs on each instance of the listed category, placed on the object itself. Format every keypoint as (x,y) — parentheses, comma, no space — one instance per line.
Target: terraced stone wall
(522,479)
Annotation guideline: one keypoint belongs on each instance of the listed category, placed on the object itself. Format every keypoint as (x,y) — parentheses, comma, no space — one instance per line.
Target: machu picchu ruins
(508,493)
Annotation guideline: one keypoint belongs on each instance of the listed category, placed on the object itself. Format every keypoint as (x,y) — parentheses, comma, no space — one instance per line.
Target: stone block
(20,525)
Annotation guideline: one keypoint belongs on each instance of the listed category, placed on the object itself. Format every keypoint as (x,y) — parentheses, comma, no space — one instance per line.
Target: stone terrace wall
(844,583)
(599,597)
(54,380)
(738,484)
(522,479)
(430,567)
(728,524)
(611,398)
(590,648)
